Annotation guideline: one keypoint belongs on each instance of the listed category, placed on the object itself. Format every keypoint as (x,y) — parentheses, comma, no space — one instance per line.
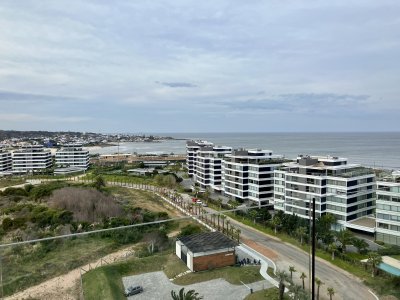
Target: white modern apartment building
(388,210)
(31,158)
(191,154)
(207,172)
(5,160)
(345,190)
(72,155)
(248,175)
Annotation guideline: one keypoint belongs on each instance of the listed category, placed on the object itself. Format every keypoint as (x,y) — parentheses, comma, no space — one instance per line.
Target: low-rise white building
(388,210)
(31,158)
(72,155)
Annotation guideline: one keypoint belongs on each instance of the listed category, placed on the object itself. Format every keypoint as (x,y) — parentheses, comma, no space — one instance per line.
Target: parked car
(194,200)
(133,290)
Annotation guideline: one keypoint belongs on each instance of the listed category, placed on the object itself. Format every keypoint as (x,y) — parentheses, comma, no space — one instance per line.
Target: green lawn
(270,294)
(233,275)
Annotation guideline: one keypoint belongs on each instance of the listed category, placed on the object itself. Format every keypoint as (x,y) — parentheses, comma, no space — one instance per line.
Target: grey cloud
(29,97)
(300,102)
(177,84)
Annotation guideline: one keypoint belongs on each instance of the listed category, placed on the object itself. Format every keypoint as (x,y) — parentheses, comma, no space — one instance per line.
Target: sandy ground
(68,286)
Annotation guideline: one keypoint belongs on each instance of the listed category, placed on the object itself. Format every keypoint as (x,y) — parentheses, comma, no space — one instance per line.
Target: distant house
(207,250)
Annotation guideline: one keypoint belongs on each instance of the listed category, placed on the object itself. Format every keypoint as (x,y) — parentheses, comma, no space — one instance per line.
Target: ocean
(377,149)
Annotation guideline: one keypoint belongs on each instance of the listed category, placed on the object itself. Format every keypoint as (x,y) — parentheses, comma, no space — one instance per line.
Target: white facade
(191,154)
(31,158)
(208,166)
(388,211)
(72,156)
(346,191)
(248,175)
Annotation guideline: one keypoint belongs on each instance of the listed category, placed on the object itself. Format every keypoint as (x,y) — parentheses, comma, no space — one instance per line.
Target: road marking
(376,297)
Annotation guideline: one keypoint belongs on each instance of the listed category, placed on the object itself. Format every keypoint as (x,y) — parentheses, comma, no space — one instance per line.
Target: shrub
(390,250)
(15,192)
(190,229)
(7,224)
(45,190)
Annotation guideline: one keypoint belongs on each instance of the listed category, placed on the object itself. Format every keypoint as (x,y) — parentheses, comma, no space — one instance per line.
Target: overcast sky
(200,66)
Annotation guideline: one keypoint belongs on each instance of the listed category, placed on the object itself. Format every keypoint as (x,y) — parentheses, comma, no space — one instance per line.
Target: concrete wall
(212,261)
(178,249)
(190,261)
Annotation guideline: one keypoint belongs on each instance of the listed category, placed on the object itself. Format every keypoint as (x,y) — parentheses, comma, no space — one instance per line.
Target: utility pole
(313,251)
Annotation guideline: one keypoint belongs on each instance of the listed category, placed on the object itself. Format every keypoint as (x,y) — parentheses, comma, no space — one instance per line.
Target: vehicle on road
(133,290)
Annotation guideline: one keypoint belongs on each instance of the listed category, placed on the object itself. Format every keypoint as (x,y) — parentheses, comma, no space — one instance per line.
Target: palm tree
(276,221)
(302,277)
(223,217)
(292,270)
(238,232)
(296,291)
(252,215)
(345,237)
(331,292)
(360,244)
(301,232)
(374,259)
(227,226)
(282,278)
(207,194)
(190,295)
(332,248)
(319,283)
(196,191)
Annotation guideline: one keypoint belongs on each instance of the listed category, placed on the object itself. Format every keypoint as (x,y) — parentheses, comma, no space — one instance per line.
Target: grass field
(233,275)
(5,182)
(32,264)
(270,294)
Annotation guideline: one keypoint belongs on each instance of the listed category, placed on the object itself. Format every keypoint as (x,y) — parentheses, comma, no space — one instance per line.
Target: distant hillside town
(49,139)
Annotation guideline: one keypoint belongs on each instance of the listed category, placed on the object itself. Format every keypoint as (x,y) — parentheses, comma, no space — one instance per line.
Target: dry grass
(144,200)
(86,204)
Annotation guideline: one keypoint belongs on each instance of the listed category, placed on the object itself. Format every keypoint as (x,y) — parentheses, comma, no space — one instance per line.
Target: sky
(200,66)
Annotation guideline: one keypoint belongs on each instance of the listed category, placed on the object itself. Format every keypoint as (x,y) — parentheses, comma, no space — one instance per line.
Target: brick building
(207,250)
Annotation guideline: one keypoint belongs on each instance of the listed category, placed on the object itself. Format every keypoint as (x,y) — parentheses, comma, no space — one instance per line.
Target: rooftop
(364,221)
(207,241)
